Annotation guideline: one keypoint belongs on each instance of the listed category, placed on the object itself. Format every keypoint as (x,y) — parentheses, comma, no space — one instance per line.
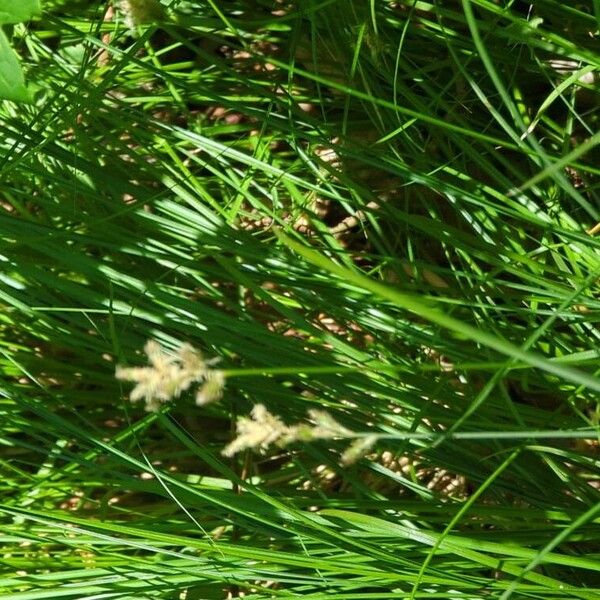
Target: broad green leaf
(12,83)
(12,11)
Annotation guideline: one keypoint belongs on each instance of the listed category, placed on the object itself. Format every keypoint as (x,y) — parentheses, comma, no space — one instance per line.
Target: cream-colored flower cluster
(141,12)
(169,375)
(263,429)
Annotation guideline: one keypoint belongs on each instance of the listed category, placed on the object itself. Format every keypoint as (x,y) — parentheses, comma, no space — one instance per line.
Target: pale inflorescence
(141,12)
(169,375)
(259,431)
(263,429)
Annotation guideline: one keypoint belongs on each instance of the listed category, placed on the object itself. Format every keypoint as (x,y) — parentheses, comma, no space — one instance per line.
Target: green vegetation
(12,84)
(383,213)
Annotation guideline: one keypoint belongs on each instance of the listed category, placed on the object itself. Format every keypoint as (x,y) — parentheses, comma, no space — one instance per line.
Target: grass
(386,210)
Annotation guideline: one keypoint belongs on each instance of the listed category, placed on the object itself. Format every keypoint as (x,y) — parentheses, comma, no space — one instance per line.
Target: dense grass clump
(374,229)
